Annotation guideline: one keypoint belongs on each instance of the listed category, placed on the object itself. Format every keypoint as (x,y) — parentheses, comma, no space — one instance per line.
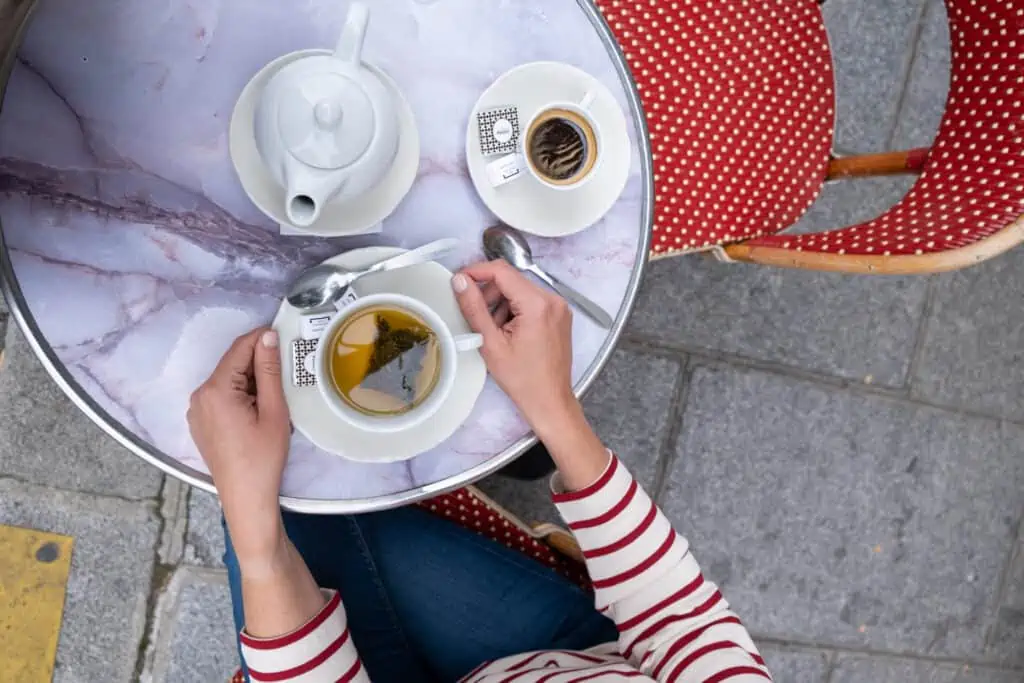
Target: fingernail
(460,283)
(269,339)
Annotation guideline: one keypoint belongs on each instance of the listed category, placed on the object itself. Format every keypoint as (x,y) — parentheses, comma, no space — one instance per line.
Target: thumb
(474,308)
(267,369)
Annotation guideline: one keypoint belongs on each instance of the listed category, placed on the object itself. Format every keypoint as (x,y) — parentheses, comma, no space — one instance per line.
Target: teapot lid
(326,120)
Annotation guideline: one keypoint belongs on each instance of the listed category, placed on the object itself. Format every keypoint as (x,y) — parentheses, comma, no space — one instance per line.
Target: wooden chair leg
(886,163)
(559,539)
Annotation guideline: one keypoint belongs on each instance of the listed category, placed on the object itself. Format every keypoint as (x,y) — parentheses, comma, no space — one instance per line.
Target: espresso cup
(450,346)
(561,145)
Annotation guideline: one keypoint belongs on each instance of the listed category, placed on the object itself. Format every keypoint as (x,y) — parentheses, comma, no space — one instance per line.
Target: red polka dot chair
(739,100)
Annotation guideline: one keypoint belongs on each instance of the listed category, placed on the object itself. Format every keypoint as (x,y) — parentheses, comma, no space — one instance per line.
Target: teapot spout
(302,210)
(307,191)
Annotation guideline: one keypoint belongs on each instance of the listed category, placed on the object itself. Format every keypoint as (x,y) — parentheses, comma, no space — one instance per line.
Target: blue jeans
(428,600)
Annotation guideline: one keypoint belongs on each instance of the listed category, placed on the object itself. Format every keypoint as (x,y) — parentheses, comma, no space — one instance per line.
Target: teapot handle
(350,45)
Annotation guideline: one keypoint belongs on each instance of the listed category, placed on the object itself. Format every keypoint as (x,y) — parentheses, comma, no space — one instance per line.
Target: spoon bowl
(320,285)
(504,242)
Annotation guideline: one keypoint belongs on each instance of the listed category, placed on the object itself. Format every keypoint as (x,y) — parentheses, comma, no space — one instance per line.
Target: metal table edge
(23,317)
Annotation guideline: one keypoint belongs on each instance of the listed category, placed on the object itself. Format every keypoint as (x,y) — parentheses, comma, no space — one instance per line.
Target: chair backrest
(739,101)
(971,186)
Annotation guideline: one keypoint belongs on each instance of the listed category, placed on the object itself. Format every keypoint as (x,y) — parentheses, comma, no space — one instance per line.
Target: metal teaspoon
(325,283)
(501,241)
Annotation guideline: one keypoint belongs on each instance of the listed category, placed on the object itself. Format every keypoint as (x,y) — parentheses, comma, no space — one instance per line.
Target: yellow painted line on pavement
(34,567)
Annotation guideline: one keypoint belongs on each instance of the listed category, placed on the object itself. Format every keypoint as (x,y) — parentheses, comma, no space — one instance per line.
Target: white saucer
(351,216)
(431,284)
(525,203)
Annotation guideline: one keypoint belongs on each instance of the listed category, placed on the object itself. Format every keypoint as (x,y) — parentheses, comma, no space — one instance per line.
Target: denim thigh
(338,557)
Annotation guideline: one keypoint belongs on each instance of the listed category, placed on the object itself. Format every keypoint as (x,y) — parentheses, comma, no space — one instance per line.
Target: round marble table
(131,256)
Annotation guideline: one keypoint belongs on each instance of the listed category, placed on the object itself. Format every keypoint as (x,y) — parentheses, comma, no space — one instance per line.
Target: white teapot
(326,125)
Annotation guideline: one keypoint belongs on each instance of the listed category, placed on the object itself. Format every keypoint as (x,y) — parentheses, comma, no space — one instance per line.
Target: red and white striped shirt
(673,625)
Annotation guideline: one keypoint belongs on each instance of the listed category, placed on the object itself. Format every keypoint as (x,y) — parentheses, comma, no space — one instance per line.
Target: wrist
(261,547)
(259,564)
(554,416)
(578,453)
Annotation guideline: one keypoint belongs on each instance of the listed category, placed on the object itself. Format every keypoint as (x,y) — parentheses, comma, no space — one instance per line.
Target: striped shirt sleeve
(320,650)
(674,625)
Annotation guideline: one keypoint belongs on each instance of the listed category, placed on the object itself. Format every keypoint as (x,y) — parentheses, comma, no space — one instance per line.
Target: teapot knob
(327,114)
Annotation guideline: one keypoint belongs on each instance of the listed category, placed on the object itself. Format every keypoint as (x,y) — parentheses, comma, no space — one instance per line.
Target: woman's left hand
(239,421)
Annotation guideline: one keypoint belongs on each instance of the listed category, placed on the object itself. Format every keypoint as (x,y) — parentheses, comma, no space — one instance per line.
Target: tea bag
(397,360)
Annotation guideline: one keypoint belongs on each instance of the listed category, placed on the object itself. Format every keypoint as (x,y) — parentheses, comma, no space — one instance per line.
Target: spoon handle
(593,311)
(428,252)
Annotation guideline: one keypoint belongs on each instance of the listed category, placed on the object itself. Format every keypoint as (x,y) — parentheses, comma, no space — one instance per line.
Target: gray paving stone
(857,669)
(792,664)
(194,636)
(174,511)
(111,571)
(928,85)
(853,327)
(204,539)
(1007,643)
(838,518)
(1015,578)
(843,203)
(46,439)
(629,408)
(974,339)
(872,43)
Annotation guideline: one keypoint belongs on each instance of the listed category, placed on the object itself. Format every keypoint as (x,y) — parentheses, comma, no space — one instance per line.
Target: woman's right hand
(527,335)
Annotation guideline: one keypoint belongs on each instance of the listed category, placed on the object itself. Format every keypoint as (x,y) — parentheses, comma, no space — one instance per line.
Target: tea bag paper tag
(345,299)
(499,130)
(312,325)
(311,329)
(504,170)
(303,354)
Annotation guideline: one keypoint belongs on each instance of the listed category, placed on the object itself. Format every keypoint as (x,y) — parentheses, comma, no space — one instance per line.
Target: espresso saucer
(526,203)
(431,284)
(345,217)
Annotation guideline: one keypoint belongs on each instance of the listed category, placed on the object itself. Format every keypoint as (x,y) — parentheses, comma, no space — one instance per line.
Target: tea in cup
(387,362)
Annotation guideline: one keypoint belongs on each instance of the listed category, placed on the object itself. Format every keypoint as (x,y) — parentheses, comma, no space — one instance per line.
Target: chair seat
(739,102)
(471,509)
(970,187)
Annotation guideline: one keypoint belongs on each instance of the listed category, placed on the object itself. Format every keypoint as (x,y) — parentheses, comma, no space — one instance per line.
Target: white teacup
(450,345)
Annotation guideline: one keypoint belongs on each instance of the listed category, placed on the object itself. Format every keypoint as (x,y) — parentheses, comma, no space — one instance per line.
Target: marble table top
(136,256)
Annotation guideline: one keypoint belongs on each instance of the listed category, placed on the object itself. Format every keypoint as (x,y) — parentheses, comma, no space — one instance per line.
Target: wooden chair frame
(875,165)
